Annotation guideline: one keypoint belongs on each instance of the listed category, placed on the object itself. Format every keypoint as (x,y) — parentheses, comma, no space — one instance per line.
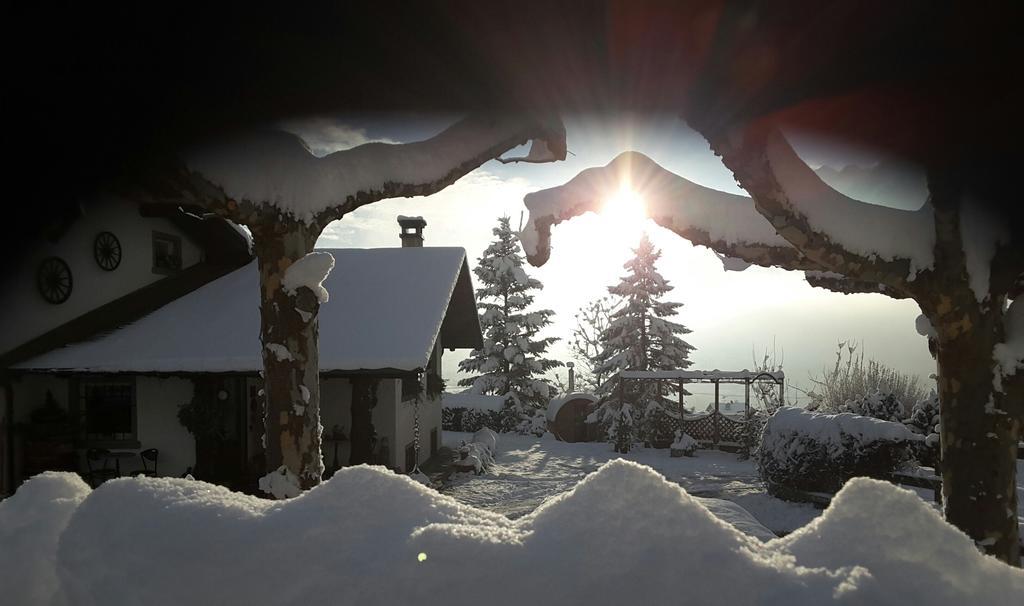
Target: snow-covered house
(390,312)
(107,262)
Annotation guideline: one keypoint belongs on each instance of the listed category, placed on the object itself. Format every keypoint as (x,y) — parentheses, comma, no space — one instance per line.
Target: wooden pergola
(716,377)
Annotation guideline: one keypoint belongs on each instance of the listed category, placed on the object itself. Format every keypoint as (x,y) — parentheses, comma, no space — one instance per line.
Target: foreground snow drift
(31,524)
(368,536)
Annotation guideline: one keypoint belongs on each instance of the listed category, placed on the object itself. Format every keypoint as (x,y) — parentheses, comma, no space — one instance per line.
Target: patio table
(117,455)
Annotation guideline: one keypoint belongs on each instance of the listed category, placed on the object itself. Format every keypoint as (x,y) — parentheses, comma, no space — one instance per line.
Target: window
(433,441)
(166,253)
(108,412)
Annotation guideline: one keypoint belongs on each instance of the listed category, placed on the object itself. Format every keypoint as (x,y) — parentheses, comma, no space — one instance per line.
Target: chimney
(412,230)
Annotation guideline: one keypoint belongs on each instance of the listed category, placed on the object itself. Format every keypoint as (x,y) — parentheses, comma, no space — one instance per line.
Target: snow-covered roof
(708,375)
(476,401)
(556,404)
(386,309)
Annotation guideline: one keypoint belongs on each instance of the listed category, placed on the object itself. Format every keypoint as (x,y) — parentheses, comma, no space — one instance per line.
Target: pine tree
(511,360)
(640,337)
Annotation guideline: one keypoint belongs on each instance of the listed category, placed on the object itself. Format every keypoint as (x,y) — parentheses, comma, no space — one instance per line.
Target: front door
(221,452)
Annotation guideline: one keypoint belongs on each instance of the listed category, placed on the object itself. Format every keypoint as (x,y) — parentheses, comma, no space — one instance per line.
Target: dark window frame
(80,408)
(159,265)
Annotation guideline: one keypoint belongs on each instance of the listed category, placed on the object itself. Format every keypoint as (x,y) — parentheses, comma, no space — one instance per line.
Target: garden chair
(97,462)
(148,456)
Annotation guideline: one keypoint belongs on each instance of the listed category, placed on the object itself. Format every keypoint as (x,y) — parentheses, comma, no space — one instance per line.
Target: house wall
(336,410)
(27,315)
(430,418)
(385,419)
(157,401)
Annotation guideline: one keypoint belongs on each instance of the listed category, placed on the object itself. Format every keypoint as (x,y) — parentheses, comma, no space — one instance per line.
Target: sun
(624,213)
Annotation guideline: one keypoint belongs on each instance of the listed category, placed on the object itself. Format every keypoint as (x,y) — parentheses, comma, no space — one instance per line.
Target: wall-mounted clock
(54,280)
(107,250)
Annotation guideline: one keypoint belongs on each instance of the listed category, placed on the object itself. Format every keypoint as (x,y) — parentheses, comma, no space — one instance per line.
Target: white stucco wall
(430,418)
(157,401)
(385,417)
(27,315)
(336,409)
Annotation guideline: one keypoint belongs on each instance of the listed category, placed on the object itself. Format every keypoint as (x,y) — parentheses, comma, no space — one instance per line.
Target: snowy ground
(530,470)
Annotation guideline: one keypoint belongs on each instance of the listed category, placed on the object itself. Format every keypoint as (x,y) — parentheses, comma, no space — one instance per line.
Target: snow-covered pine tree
(640,337)
(511,361)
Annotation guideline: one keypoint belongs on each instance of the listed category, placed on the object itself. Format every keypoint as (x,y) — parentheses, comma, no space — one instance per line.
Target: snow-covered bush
(751,435)
(458,418)
(658,426)
(620,427)
(853,377)
(877,404)
(820,452)
(924,420)
(683,446)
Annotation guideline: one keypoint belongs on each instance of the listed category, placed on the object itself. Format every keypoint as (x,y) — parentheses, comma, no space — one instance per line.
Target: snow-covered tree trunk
(978,437)
(289,333)
(963,298)
(979,428)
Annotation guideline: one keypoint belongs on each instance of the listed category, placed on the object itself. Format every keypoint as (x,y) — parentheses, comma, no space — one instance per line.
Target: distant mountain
(887,183)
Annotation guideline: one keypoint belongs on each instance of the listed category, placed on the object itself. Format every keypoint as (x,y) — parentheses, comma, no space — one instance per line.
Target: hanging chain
(416,432)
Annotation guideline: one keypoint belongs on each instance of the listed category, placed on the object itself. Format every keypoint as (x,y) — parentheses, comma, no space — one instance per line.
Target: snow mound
(906,545)
(31,523)
(173,541)
(624,534)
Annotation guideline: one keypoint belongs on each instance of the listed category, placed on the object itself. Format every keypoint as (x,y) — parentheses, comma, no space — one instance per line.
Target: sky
(733,316)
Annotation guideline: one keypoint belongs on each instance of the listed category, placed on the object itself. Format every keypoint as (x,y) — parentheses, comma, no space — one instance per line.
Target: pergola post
(682,409)
(782,392)
(746,398)
(716,415)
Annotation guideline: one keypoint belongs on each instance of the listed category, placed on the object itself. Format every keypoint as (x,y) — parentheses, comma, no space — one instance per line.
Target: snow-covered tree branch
(275,172)
(841,284)
(726,223)
(272,183)
(867,242)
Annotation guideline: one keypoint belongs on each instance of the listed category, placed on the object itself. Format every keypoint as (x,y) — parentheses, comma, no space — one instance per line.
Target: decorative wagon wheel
(54,280)
(107,250)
